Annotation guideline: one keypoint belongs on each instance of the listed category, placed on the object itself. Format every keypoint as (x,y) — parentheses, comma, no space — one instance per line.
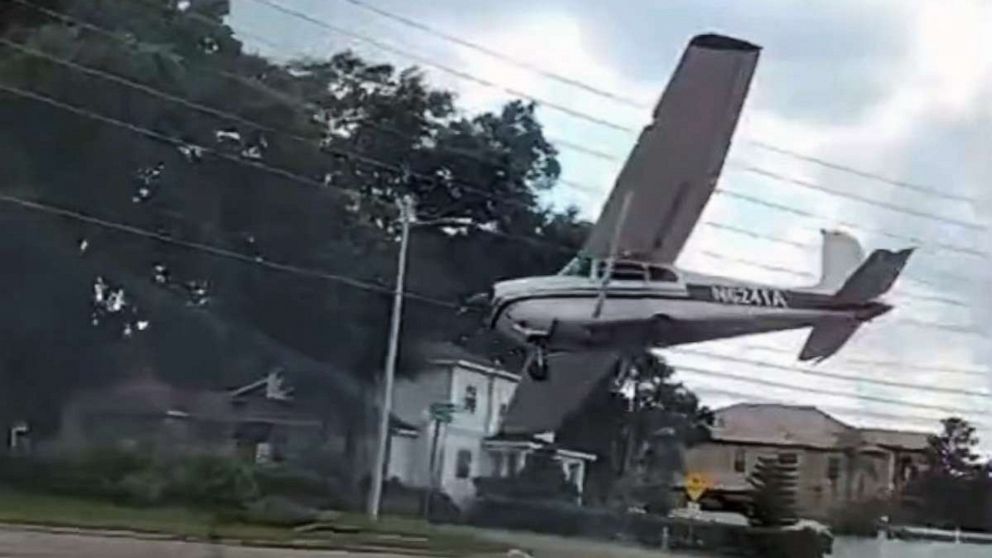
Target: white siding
(403,455)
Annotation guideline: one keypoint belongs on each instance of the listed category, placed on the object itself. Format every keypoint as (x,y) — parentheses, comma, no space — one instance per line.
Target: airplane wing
(675,163)
(544,406)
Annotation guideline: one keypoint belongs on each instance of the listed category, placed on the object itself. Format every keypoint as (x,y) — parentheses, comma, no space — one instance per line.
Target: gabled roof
(781,425)
(896,439)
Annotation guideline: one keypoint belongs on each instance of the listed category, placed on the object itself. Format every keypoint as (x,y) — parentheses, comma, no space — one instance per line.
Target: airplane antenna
(611,260)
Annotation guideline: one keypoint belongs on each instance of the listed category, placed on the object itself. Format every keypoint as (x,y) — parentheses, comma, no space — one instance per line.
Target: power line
(213,250)
(864,174)
(548,74)
(764,172)
(385,47)
(822,391)
(934,246)
(258,165)
(155,135)
(858,413)
(832,375)
(354,155)
(254,260)
(500,56)
(984,373)
(892,207)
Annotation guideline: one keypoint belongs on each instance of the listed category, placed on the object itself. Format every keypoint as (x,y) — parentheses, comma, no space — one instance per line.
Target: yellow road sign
(695,485)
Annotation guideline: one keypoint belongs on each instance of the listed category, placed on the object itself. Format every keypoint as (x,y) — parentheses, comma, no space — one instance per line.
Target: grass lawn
(345,531)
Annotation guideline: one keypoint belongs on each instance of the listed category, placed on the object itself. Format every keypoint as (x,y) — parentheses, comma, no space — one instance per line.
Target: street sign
(695,485)
(442,412)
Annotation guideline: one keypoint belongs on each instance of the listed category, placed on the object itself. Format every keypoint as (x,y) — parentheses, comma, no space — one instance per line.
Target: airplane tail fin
(874,277)
(870,280)
(842,254)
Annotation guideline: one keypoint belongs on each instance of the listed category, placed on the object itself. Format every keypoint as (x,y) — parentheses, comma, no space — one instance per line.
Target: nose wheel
(536,365)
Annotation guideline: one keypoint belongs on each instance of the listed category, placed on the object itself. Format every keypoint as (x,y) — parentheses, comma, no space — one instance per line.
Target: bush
(400,499)
(862,520)
(146,488)
(556,518)
(276,511)
(212,481)
(304,487)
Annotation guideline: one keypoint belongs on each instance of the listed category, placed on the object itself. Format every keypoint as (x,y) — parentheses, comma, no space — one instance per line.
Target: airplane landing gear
(536,365)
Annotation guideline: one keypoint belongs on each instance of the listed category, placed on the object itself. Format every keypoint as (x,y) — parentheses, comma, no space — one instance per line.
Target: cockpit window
(580,266)
(626,271)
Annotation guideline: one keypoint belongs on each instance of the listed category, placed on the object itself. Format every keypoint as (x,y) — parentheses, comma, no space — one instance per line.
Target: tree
(305,175)
(636,422)
(773,492)
(952,452)
(955,490)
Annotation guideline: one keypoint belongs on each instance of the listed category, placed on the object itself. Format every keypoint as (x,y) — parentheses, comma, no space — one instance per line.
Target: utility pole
(375,492)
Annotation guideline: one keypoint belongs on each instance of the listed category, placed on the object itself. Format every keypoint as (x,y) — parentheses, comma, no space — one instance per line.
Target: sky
(889,88)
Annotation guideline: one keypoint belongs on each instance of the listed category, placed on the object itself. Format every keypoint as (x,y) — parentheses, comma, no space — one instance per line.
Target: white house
(471,445)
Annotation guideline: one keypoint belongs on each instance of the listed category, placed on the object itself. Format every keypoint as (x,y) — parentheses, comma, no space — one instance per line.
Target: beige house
(839,464)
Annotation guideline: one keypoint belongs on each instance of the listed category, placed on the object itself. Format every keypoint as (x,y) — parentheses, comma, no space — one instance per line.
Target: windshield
(580,266)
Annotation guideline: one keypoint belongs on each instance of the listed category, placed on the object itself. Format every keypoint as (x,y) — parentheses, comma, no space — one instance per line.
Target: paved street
(38,544)
(31,543)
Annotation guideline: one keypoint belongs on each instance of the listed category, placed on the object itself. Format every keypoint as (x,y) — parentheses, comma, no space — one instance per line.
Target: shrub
(557,518)
(212,481)
(862,520)
(146,488)
(304,487)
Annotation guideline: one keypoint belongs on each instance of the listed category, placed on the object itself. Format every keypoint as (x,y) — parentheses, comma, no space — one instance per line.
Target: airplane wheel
(537,367)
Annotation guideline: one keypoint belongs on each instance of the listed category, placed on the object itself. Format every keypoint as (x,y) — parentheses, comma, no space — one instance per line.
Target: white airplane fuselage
(559,311)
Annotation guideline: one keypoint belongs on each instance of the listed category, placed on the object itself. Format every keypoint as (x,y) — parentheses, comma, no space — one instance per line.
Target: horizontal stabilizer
(827,338)
(874,277)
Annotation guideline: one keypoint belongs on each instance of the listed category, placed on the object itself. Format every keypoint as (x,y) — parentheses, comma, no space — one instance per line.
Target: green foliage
(955,490)
(636,423)
(368,129)
(212,481)
(773,492)
(862,520)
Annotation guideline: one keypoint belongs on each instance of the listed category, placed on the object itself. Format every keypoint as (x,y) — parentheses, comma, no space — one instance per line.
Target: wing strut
(611,260)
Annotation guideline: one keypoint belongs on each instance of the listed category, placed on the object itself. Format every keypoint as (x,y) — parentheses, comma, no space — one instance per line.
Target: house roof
(446,350)
(781,425)
(804,426)
(534,442)
(896,439)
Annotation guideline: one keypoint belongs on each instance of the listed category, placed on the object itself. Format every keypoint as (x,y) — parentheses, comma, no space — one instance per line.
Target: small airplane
(623,293)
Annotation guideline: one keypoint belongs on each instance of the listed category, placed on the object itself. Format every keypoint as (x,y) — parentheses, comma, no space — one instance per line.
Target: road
(22,543)
(47,543)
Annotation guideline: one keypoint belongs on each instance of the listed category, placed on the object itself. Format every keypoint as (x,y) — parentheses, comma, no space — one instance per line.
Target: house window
(512,462)
(573,473)
(497,465)
(740,461)
(463,464)
(471,399)
(833,468)
(788,458)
